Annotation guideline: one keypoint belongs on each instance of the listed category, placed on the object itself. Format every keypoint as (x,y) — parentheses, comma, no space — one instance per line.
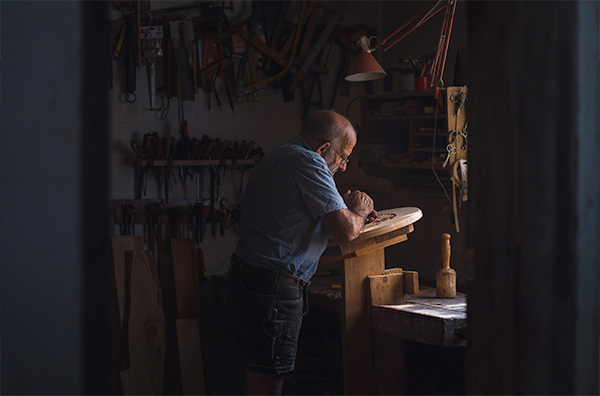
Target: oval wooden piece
(402,218)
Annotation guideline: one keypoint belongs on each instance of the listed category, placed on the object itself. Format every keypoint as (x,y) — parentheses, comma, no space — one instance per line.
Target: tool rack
(144,165)
(168,214)
(205,162)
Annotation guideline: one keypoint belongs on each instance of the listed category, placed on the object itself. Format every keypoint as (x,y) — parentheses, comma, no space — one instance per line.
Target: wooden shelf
(404,117)
(205,162)
(437,149)
(378,120)
(437,134)
(400,95)
(408,165)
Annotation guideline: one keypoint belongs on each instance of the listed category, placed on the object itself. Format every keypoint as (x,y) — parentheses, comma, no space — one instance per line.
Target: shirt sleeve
(317,188)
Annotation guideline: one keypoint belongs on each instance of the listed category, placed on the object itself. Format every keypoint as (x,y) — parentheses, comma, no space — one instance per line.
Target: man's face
(337,157)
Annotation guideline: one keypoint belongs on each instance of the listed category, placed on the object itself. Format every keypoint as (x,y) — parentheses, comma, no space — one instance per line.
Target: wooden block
(121,244)
(190,357)
(392,271)
(387,289)
(136,382)
(411,282)
(145,319)
(187,284)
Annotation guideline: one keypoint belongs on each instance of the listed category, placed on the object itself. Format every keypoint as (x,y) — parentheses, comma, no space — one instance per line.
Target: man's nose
(343,167)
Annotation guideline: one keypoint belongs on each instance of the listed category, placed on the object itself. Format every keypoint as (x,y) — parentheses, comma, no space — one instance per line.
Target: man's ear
(322,149)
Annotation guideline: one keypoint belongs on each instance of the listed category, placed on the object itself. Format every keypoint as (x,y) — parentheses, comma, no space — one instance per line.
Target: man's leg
(262,383)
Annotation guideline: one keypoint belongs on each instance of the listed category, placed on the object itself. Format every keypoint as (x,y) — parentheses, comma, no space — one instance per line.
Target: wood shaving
(380,218)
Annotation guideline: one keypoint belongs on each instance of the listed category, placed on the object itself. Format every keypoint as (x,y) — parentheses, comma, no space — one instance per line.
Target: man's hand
(371,217)
(359,203)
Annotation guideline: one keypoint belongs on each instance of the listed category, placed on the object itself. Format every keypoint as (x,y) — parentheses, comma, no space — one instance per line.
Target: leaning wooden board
(121,244)
(187,285)
(190,357)
(145,319)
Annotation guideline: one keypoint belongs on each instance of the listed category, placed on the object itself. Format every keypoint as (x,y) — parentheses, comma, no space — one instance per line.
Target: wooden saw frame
(456,103)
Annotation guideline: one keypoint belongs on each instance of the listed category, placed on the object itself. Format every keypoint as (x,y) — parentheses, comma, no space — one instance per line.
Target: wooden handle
(445,250)
(183,36)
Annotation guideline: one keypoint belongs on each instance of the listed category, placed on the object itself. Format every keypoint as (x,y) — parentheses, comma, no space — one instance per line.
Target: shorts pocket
(274,328)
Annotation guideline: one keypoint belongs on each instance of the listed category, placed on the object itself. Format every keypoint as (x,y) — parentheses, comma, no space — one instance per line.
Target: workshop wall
(269,122)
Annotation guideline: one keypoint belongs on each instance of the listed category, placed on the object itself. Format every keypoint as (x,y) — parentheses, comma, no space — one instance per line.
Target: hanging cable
(435,120)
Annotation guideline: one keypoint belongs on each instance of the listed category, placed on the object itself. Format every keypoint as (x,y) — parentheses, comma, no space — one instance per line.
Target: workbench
(365,328)
(422,318)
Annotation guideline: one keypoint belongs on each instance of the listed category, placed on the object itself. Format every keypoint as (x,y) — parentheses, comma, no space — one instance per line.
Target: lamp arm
(429,13)
(439,62)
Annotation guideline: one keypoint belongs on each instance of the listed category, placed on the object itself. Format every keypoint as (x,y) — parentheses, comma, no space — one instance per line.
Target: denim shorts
(265,307)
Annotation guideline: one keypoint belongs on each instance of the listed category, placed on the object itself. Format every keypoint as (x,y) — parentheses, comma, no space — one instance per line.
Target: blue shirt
(287,193)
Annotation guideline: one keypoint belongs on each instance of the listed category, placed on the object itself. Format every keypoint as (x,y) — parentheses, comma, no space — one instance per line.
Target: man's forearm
(344,224)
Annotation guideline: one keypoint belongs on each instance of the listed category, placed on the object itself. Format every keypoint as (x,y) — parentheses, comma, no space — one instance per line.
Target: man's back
(288,192)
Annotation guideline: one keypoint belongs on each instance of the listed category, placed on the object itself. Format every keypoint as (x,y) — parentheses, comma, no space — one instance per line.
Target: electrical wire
(350,104)
(437,105)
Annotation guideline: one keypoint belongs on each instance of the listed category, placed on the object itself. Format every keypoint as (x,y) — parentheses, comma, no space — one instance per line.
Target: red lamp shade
(365,68)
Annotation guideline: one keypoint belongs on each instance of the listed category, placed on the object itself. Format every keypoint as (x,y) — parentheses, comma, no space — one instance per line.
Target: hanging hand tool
(128,220)
(141,179)
(226,153)
(130,96)
(184,150)
(150,147)
(151,37)
(194,151)
(229,98)
(197,221)
(152,76)
(226,211)
(204,143)
(137,149)
(214,87)
(215,183)
(176,157)
(187,35)
(213,202)
(180,36)
(160,155)
(167,150)
(120,41)
(209,58)
(234,217)
(194,147)
(222,218)
(154,243)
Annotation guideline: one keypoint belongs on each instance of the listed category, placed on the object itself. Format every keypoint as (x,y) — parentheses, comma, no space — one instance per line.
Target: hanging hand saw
(152,36)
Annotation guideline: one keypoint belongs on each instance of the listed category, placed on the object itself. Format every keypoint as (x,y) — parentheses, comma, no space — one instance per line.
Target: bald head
(327,125)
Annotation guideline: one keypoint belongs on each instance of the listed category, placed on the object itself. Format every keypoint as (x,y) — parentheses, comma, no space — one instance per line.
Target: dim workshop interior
(132,128)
